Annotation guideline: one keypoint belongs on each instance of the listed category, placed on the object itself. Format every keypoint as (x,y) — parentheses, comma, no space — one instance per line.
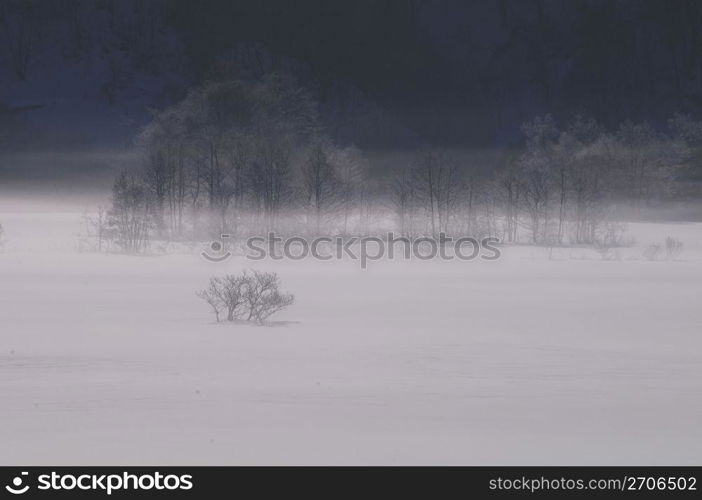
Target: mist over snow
(143,144)
(533,359)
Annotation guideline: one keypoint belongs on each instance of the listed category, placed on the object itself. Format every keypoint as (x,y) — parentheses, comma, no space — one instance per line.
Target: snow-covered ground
(540,358)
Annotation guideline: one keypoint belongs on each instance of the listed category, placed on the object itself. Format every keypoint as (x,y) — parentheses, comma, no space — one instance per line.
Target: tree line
(247,158)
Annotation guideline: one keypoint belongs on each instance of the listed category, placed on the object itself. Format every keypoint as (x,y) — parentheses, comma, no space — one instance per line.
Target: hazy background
(77,77)
(500,118)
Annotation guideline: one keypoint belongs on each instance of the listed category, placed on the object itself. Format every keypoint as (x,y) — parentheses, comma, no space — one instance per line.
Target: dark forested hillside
(451,73)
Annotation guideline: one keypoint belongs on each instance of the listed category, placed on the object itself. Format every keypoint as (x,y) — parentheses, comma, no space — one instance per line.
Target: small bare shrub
(251,296)
(263,296)
(669,250)
(673,248)
(613,235)
(653,252)
(233,289)
(212,295)
(610,239)
(226,294)
(606,251)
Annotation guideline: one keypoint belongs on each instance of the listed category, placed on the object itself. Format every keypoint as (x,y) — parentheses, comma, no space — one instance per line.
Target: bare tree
(351,170)
(402,199)
(321,185)
(687,138)
(472,191)
(673,248)
(271,178)
(649,162)
(271,303)
(536,173)
(263,297)
(508,191)
(436,181)
(96,230)
(591,181)
(253,296)
(226,294)
(286,118)
(130,216)
(212,295)
(228,147)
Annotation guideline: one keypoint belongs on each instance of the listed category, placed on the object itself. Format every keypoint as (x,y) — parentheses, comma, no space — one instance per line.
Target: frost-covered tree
(649,161)
(687,132)
(229,147)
